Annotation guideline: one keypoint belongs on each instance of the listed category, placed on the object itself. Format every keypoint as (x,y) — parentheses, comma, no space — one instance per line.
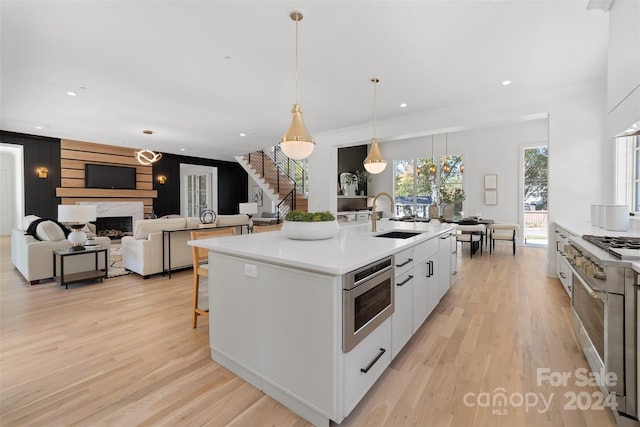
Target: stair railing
(295,170)
(286,204)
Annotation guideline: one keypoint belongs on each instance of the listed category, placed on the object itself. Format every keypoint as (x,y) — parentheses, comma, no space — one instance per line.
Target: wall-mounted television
(107,176)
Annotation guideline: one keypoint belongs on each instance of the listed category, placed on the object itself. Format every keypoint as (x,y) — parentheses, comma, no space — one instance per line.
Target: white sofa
(142,252)
(33,258)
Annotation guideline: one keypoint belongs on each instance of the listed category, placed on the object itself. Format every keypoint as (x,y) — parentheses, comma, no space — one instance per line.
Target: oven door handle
(595,294)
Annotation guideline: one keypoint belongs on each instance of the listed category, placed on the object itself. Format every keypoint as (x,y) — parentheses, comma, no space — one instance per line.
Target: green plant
(362,176)
(300,216)
(351,179)
(452,195)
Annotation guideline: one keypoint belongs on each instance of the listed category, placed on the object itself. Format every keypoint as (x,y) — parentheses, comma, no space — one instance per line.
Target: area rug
(116,267)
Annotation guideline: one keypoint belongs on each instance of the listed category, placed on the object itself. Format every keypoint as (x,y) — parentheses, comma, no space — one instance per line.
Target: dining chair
(265,228)
(201,266)
(471,234)
(502,231)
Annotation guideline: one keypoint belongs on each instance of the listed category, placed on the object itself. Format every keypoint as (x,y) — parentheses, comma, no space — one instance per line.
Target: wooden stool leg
(196,281)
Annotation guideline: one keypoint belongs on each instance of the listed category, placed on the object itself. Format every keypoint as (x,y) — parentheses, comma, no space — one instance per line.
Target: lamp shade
(297,143)
(374,163)
(249,208)
(77,214)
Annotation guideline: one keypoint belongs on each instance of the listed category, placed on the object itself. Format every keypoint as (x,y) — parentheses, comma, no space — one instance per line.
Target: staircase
(283,179)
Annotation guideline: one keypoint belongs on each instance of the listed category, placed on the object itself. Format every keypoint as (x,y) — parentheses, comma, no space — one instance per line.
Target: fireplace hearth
(114,227)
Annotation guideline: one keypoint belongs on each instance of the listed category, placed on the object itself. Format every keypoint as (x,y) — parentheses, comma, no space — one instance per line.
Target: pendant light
(432,166)
(374,163)
(147,157)
(446,168)
(297,143)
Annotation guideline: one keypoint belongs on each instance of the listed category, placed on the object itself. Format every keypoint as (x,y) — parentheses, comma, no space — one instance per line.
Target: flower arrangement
(452,195)
(301,216)
(363,176)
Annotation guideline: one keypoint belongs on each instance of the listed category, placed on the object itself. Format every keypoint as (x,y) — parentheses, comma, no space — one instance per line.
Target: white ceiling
(161,65)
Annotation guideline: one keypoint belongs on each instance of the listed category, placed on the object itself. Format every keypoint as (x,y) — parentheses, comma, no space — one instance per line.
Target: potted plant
(450,196)
(299,225)
(363,177)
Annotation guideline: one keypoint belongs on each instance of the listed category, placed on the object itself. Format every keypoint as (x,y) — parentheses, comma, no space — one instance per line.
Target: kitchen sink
(397,234)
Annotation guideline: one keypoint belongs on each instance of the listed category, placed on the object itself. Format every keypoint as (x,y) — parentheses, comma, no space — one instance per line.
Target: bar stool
(265,228)
(503,231)
(201,266)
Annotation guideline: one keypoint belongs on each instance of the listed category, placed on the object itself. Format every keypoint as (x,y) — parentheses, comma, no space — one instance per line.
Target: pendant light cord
(375,83)
(297,20)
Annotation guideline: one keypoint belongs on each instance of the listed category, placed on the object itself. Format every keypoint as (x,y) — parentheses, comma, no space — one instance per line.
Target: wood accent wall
(75,154)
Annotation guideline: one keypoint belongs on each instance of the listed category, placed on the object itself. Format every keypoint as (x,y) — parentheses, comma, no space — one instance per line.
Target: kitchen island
(276,310)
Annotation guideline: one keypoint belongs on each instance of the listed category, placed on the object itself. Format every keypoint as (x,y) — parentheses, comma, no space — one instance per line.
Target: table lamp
(76,216)
(250,208)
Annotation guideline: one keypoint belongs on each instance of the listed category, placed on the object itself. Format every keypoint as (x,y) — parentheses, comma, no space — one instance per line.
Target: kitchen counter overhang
(353,247)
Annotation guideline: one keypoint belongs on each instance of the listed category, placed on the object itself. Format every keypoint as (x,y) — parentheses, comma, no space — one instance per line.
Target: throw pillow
(47,229)
(27,220)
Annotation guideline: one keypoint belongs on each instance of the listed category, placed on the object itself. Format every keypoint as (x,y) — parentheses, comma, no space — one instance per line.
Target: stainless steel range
(604,312)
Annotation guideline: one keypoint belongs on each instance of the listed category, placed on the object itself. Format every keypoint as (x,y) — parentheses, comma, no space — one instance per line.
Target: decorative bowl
(321,230)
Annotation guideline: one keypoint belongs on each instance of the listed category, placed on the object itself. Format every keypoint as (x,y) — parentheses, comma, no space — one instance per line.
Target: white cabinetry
(562,266)
(365,363)
(447,262)
(402,319)
(425,287)
(251,330)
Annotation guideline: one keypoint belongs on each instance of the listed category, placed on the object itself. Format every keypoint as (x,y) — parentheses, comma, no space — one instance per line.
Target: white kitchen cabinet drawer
(402,319)
(425,250)
(403,262)
(372,355)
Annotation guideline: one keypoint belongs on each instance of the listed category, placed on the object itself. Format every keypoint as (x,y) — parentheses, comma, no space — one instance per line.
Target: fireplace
(114,227)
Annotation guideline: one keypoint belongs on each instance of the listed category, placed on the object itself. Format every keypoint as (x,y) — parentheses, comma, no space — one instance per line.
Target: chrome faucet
(373,211)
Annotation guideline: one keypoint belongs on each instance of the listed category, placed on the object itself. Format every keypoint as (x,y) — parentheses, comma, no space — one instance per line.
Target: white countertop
(353,247)
(580,229)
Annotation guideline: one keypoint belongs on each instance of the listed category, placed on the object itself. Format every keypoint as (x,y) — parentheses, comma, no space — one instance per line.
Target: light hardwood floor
(123,353)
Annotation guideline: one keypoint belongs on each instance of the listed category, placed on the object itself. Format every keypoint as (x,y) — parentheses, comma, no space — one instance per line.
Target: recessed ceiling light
(39,127)
(403,105)
(71,93)
(183,149)
(506,83)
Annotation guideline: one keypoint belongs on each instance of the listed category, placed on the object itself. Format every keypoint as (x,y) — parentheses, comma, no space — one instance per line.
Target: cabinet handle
(373,362)
(430,271)
(562,275)
(405,263)
(405,281)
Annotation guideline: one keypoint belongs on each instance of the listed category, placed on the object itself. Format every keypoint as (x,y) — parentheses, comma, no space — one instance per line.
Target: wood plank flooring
(123,353)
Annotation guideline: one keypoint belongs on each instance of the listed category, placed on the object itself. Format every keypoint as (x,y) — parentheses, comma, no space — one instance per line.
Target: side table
(64,279)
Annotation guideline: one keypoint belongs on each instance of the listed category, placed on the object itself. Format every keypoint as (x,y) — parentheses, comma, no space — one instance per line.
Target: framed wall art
(490,182)
(490,197)
(257,195)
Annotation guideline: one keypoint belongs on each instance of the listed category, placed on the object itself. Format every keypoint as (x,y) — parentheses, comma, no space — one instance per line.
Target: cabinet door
(444,265)
(425,290)
(402,320)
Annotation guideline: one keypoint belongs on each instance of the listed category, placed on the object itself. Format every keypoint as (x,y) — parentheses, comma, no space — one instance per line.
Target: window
(416,187)
(627,174)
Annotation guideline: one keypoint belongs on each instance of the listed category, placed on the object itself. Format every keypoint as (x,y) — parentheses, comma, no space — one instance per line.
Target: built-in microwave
(367,300)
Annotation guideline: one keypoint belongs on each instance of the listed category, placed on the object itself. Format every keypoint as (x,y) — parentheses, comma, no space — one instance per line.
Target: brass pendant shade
(374,163)
(297,143)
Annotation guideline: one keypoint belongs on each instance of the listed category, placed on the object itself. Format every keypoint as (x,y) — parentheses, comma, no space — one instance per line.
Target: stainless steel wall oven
(367,300)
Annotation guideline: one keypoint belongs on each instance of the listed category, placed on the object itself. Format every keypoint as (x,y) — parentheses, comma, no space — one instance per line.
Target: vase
(434,212)
(447,211)
(298,230)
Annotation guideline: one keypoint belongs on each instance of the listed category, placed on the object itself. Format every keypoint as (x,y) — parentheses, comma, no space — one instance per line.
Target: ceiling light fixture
(297,143)
(403,105)
(71,93)
(506,83)
(374,163)
(147,157)
(446,168)
(432,166)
